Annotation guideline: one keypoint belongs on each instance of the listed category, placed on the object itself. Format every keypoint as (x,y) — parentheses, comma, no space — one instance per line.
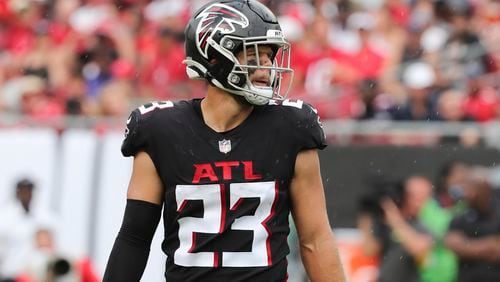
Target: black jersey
(226,194)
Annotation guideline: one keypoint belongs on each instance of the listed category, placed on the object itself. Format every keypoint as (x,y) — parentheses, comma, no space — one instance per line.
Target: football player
(227,169)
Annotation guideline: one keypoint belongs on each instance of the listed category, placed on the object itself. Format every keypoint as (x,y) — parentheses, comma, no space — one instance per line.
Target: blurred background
(408,91)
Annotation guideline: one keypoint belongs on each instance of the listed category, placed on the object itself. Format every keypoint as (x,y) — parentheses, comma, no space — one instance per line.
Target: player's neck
(223,111)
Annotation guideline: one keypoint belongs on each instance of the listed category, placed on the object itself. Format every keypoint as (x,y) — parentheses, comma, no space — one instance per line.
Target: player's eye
(251,61)
(270,54)
(251,56)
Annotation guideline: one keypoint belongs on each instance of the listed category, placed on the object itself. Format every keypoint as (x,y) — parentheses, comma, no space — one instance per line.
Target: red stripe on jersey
(268,218)
(223,208)
(216,259)
(286,264)
(237,204)
(193,244)
(183,205)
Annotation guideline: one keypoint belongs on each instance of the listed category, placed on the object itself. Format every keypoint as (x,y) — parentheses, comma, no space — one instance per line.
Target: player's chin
(241,100)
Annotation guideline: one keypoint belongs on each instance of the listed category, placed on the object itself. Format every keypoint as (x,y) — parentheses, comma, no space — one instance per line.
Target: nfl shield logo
(225,146)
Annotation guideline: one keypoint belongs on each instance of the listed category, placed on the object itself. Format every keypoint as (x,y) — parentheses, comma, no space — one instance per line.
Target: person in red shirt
(161,66)
(481,102)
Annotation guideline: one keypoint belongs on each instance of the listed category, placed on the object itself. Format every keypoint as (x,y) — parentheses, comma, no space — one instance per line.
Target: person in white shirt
(18,224)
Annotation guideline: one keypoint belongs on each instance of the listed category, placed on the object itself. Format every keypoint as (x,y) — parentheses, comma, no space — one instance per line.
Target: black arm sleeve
(130,252)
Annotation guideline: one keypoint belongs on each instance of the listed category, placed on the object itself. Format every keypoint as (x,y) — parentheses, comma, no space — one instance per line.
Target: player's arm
(143,211)
(317,243)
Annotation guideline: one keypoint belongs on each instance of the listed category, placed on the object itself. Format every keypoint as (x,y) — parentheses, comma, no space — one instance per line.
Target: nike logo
(129,119)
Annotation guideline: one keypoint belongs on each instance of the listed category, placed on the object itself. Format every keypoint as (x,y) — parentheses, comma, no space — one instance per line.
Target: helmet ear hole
(237,79)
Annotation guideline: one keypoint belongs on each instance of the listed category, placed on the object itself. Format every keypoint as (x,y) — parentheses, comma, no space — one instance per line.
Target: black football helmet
(219,31)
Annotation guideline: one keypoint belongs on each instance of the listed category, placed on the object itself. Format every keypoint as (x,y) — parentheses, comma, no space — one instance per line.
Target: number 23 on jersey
(213,221)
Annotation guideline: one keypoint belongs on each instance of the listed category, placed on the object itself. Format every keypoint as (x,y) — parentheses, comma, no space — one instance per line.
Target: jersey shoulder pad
(304,121)
(140,126)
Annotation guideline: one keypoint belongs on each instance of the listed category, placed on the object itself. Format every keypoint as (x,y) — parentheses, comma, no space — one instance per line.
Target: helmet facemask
(275,85)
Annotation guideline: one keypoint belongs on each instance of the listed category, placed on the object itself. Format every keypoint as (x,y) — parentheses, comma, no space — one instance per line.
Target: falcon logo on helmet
(217,17)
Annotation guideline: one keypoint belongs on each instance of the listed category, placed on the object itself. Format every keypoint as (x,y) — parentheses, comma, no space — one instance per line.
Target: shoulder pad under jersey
(138,131)
(305,122)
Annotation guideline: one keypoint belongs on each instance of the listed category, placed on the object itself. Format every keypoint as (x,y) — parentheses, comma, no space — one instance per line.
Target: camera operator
(45,264)
(49,265)
(390,229)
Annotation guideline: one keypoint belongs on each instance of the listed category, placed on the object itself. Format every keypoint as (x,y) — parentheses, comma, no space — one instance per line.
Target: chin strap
(196,70)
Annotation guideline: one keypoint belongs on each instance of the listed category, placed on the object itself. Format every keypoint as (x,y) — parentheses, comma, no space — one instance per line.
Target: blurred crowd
(353,59)
(435,232)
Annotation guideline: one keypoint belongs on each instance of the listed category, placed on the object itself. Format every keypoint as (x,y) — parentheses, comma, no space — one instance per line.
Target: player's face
(261,57)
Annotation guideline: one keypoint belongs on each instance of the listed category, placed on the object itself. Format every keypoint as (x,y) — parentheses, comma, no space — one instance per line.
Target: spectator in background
(315,65)
(18,224)
(450,106)
(441,264)
(475,235)
(161,51)
(162,67)
(30,96)
(367,59)
(402,243)
(450,186)
(375,104)
(391,20)
(114,99)
(37,101)
(96,61)
(463,55)
(13,91)
(487,22)
(419,79)
(47,264)
(481,99)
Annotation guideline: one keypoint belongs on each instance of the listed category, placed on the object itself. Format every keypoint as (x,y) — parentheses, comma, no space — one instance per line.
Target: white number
(155,105)
(212,222)
(297,104)
(209,223)
(260,255)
